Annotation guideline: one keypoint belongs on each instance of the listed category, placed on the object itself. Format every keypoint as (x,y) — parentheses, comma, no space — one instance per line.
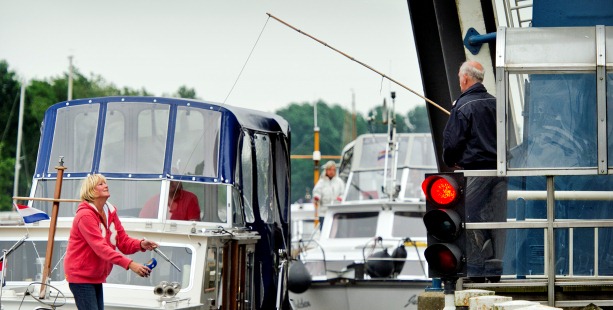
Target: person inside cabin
(328,190)
(469,143)
(182,204)
(98,241)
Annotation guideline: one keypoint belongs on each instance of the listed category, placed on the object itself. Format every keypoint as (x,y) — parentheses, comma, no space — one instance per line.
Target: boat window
(413,186)
(134,147)
(164,271)
(196,141)
(247,180)
(408,224)
(24,263)
(422,153)
(212,200)
(366,185)
(374,151)
(237,209)
(345,166)
(354,225)
(282,177)
(264,177)
(45,188)
(74,137)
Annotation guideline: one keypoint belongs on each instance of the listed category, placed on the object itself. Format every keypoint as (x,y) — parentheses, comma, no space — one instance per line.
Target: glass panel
(605,252)
(25,265)
(374,150)
(557,128)
(354,225)
(282,170)
(247,180)
(237,209)
(74,137)
(164,271)
(413,186)
(367,185)
(134,138)
(345,167)
(422,153)
(408,224)
(196,141)
(610,119)
(264,177)
(559,46)
(46,189)
(524,254)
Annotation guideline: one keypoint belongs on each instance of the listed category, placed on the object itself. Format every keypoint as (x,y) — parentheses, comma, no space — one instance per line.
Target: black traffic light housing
(444,221)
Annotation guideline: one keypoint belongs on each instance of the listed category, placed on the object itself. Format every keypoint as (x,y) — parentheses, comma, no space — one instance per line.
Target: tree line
(40,94)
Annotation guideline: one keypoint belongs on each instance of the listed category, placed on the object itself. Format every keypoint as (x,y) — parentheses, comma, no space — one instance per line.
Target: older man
(328,190)
(470,144)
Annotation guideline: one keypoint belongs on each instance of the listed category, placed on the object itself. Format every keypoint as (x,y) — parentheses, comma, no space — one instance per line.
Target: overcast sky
(204,44)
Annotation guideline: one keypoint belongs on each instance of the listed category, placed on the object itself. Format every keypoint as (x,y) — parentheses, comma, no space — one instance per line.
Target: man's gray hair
(469,69)
(329,164)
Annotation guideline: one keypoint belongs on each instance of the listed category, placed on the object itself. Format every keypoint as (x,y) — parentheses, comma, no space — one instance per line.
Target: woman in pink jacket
(95,238)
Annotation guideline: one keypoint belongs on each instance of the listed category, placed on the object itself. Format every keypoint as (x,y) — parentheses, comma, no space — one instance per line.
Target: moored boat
(370,250)
(235,161)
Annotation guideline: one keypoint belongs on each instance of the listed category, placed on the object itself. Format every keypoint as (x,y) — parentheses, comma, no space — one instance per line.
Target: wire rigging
(247,60)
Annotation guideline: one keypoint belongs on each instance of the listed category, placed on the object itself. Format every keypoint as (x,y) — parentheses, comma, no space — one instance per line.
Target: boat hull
(347,294)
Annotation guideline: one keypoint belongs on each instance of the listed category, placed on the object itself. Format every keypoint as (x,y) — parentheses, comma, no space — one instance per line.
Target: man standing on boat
(470,144)
(328,190)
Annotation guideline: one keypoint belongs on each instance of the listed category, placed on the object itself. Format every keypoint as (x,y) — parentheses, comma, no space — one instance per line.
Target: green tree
(186,92)
(332,133)
(418,119)
(9,109)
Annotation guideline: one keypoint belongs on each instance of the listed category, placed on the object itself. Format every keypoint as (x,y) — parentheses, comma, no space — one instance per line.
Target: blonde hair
(88,186)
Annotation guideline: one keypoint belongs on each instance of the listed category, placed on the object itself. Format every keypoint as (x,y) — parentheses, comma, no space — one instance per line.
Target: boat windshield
(364,164)
(143,199)
(135,138)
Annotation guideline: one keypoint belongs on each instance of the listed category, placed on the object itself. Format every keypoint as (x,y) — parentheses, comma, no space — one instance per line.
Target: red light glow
(442,192)
(447,261)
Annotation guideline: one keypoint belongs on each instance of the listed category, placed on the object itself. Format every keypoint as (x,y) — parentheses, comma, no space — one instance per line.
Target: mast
(19,138)
(316,159)
(70,70)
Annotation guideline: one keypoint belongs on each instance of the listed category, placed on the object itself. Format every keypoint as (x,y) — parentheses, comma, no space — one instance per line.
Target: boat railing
(375,261)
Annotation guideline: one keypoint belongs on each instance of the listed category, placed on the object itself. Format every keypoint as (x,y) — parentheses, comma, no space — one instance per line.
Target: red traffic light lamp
(444,222)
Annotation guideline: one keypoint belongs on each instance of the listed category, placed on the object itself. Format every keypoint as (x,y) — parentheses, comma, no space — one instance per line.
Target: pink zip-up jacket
(93,246)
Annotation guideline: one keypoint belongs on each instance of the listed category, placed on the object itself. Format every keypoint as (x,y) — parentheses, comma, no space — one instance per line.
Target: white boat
(236,161)
(381,213)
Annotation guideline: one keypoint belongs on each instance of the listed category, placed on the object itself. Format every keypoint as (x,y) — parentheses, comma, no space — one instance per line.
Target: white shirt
(327,191)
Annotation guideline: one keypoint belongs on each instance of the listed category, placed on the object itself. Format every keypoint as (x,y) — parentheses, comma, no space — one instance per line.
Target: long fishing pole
(361,63)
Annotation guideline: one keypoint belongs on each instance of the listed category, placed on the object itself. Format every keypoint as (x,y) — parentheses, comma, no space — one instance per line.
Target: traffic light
(444,220)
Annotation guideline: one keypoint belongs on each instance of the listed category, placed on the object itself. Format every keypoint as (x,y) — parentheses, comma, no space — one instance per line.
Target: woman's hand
(139,269)
(148,245)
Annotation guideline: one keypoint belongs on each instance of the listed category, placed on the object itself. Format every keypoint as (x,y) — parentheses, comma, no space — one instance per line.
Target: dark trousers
(486,201)
(87,296)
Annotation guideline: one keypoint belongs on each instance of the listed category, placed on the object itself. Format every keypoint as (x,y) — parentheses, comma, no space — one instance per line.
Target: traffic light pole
(450,293)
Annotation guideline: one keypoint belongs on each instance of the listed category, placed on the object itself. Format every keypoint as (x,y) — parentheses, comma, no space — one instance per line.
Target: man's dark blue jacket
(470,133)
